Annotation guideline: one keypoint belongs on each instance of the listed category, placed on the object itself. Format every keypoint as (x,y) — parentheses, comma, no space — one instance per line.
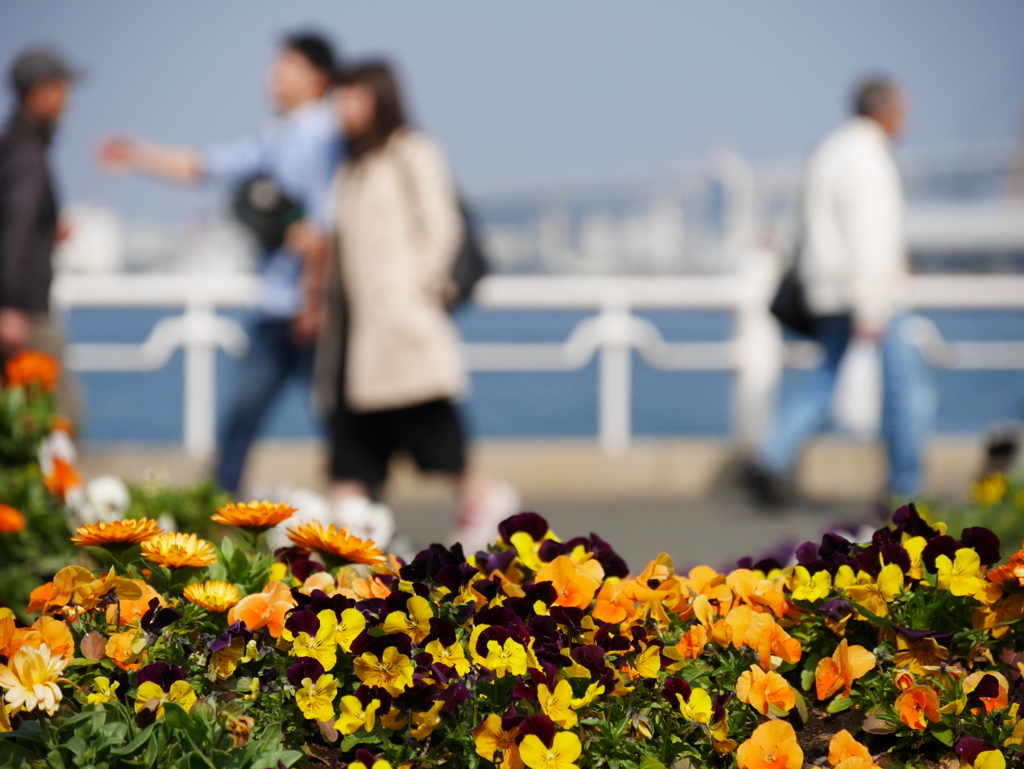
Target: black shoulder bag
(789,305)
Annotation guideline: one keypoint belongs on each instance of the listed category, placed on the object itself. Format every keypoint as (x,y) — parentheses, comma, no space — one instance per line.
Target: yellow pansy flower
(351,624)
(181,693)
(352,715)
(648,662)
(102,691)
(414,622)
(593,692)
(392,670)
(873,594)
(914,546)
(557,704)
(453,656)
(509,657)
(959,576)
(323,647)
(490,738)
(809,588)
(698,707)
(315,700)
(562,754)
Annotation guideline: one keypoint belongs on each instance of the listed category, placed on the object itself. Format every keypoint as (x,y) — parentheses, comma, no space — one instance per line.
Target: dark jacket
(28,218)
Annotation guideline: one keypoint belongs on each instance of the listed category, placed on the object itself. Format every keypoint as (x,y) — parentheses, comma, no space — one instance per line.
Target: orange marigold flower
(117,534)
(176,550)
(333,543)
(254,516)
(11,520)
(29,366)
(773,745)
(846,665)
(62,479)
(213,595)
(917,706)
(266,609)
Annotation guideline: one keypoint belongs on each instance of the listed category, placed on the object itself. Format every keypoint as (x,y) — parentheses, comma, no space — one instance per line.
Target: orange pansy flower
(846,665)
(773,745)
(132,609)
(119,649)
(266,609)
(766,637)
(575,583)
(11,520)
(917,706)
(692,643)
(1000,701)
(760,690)
(843,746)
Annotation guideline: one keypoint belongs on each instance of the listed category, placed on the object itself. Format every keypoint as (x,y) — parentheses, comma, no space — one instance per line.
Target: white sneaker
(479,518)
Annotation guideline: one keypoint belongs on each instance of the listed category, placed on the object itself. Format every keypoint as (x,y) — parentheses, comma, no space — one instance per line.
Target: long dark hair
(389,114)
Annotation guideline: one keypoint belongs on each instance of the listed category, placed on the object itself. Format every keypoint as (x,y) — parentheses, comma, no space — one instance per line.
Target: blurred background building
(633,165)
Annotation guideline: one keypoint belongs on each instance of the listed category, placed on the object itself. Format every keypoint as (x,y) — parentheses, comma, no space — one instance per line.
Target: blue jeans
(908,413)
(273,358)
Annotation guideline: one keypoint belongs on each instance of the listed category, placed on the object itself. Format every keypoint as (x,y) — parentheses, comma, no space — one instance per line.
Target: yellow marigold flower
(414,622)
(959,576)
(30,678)
(177,550)
(489,738)
(254,516)
(393,670)
(117,534)
(509,657)
(334,543)
(213,595)
(557,704)
(11,520)
(990,490)
(562,753)
(181,693)
(315,700)
(102,691)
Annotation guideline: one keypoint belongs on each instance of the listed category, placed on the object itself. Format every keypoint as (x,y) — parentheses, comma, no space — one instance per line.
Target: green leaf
(839,705)
(943,734)
(801,707)
(137,743)
(651,763)
(176,717)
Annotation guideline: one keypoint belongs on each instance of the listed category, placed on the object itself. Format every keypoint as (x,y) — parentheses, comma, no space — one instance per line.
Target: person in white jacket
(853,264)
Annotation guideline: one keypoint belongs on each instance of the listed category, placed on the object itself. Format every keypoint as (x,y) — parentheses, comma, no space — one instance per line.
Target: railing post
(200,382)
(615,378)
(757,348)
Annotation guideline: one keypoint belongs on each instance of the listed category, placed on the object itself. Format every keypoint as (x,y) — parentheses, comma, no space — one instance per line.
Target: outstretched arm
(121,154)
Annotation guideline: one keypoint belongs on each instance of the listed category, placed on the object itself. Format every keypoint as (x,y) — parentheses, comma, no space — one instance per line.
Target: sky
(531,92)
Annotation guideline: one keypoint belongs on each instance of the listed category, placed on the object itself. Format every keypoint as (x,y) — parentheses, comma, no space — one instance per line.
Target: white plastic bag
(857,402)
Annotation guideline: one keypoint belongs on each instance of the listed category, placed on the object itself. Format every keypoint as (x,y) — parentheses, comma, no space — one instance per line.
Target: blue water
(148,406)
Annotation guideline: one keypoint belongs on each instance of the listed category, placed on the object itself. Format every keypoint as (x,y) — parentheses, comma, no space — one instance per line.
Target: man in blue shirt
(297,152)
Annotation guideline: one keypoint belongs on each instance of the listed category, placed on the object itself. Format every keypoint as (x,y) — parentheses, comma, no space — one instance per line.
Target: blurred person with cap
(29,210)
(282,175)
(853,266)
(390,362)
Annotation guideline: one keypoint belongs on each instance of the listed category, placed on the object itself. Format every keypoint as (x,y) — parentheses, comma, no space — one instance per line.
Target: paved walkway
(714,531)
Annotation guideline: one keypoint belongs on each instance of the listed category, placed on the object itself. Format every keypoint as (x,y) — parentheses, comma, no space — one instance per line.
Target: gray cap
(37,65)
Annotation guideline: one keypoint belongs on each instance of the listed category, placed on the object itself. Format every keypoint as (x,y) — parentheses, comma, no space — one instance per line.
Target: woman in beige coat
(396,365)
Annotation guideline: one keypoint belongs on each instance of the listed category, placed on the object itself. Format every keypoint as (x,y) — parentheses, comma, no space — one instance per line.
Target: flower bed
(185,652)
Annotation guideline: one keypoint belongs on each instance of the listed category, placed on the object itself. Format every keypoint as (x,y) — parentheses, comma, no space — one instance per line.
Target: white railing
(755,352)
